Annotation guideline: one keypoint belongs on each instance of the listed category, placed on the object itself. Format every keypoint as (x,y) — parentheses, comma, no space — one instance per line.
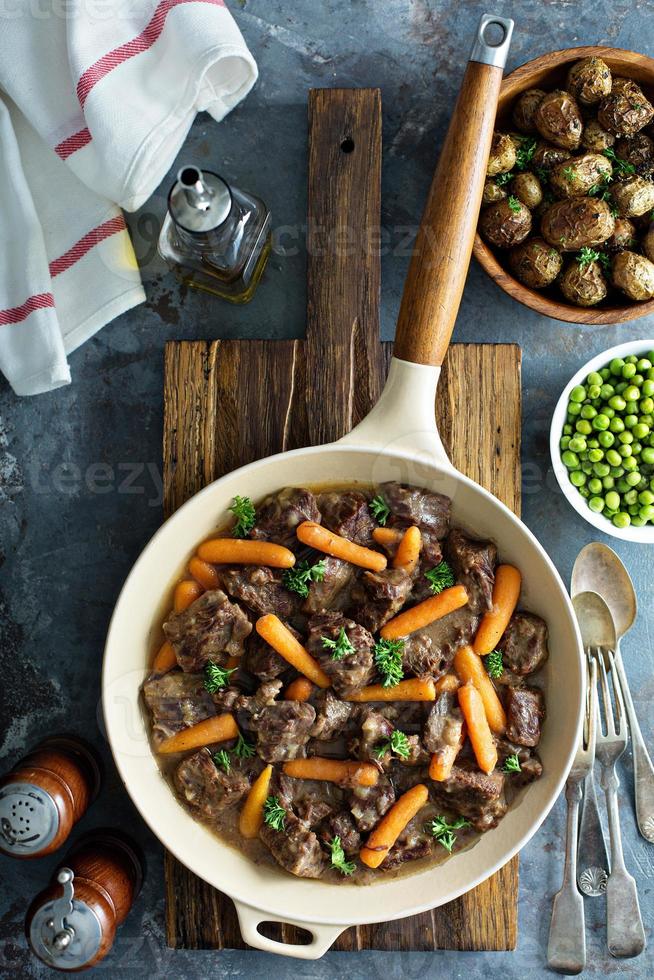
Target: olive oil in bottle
(215,237)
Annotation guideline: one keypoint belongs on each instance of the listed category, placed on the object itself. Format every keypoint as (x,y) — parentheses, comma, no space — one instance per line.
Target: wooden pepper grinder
(45,795)
(72,924)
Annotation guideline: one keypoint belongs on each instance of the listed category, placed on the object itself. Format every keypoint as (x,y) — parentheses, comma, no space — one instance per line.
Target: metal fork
(566,949)
(624,925)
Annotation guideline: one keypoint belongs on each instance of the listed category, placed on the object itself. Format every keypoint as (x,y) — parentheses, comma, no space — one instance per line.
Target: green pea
(601,469)
(588,412)
(647,455)
(587,468)
(631,498)
(647,405)
(595,455)
(596,504)
(622,486)
(607,391)
(570,459)
(638,522)
(644,364)
(650,374)
(608,482)
(594,378)
(606,439)
(630,421)
(593,443)
(647,512)
(609,412)
(567,430)
(577,478)
(645,497)
(601,422)
(620,387)
(584,491)
(636,448)
(622,520)
(616,365)
(612,456)
(632,393)
(595,486)
(624,451)
(618,403)
(612,500)
(584,427)
(578,393)
(632,479)
(605,374)
(617,471)
(648,388)
(630,463)
(574,408)
(628,371)
(631,359)
(617,425)
(638,380)
(594,392)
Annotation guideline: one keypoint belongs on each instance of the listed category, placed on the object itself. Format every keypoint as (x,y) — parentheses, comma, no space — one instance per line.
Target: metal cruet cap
(29,819)
(65,933)
(199,201)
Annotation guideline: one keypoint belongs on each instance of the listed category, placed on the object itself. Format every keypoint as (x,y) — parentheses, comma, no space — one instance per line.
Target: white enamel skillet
(397,441)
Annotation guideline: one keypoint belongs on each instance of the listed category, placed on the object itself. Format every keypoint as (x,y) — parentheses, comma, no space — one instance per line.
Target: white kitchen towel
(99,97)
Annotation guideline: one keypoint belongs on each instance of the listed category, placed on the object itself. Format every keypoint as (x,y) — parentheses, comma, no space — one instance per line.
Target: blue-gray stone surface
(80,469)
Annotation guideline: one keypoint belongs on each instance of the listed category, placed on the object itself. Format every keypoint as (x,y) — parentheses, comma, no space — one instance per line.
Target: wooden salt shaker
(72,924)
(45,794)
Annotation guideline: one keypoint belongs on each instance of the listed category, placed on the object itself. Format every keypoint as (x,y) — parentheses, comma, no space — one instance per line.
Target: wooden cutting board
(229,402)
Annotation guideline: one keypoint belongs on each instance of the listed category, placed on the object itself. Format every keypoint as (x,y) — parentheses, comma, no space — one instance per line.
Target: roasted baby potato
(524,109)
(624,235)
(547,155)
(526,187)
(596,139)
(558,120)
(575,177)
(535,263)
(583,283)
(634,275)
(505,223)
(633,196)
(648,243)
(492,193)
(576,222)
(638,151)
(589,80)
(626,110)
(502,155)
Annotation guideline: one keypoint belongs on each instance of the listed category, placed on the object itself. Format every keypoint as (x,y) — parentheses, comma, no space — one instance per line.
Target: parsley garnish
(514,204)
(297,579)
(494,664)
(443,832)
(542,174)
(397,743)
(622,167)
(243,511)
(525,152)
(274,814)
(338,858)
(569,174)
(587,255)
(216,677)
(243,749)
(388,660)
(501,179)
(512,763)
(440,577)
(222,760)
(379,509)
(339,647)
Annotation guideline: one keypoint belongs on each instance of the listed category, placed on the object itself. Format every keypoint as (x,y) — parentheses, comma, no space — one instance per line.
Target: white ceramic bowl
(643,535)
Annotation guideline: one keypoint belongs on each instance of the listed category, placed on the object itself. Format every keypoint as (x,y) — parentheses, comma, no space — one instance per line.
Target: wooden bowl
(549,72)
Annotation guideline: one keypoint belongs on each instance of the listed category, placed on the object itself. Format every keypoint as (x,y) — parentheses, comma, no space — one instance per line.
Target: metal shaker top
(65,932)
(29,819)
(199,201)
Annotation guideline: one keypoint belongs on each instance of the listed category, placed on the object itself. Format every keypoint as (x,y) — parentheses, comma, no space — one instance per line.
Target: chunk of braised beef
(260,589)
(346,512)
(472,794)
(444,726)
(212,628)
(176,700)
(333,592)
(262,661)
(417,755)
(296,848)
(419,656)
(449,634)
(524,644)
(375,729)
(207,789)
(342,825)
(531,767)
(283,730)
(414,505)
(413,843)
(332,715)
(378,596)
(279,515)
(525,710)
(348,673)
(368,804)
(227,698)
(404,777)
(248,707)
(473,563)
(313,811)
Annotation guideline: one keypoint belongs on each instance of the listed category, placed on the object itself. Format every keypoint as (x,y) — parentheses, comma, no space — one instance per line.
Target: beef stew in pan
(347,684)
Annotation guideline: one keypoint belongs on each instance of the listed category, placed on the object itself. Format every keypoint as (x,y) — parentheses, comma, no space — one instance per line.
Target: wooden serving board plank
(227,403)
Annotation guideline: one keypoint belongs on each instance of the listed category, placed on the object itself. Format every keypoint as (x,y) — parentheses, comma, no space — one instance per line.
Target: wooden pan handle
(441,255)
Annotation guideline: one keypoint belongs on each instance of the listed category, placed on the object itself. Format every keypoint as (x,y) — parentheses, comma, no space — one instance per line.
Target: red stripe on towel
(39,302)
(91,239)
(137,45)
(73,143)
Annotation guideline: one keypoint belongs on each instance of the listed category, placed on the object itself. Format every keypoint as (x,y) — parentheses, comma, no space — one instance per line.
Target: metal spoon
(592,858)
(598,569)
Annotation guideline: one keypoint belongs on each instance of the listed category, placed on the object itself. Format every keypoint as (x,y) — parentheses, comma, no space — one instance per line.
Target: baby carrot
(408,551)
(298,690)
(272,630)
(165,659)
(333,770)
(506,592)
(392,824)
(186,593)
(204,573)
(251,819)
(425,613)
(237,551)
(215,729)
(320,538)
